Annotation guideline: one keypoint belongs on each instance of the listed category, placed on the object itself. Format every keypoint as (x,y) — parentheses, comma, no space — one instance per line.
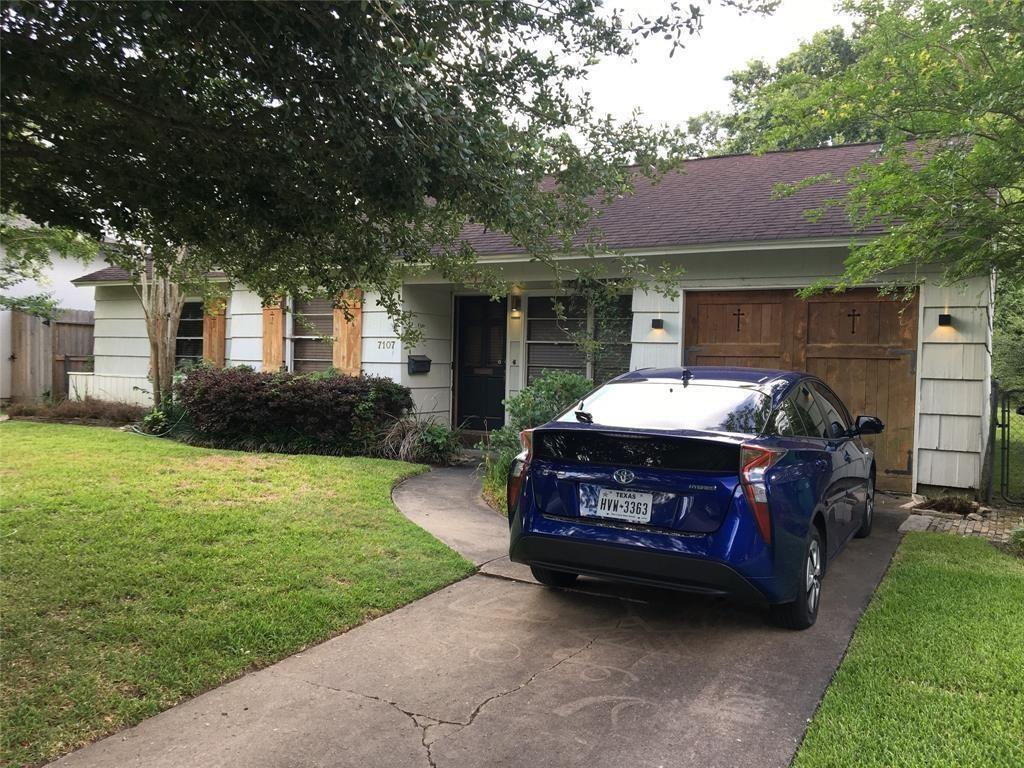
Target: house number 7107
(386,344)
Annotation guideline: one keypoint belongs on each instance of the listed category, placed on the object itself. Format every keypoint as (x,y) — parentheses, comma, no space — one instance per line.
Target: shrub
(423,441)
(329,412)
(1016,543)
(549,394)
(439,444)
(155,422)
(90,409)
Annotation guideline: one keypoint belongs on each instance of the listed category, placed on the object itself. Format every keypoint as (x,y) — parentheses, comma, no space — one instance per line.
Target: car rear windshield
(671,405)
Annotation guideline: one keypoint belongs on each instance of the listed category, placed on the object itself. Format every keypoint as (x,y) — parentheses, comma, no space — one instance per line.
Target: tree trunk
(162,302)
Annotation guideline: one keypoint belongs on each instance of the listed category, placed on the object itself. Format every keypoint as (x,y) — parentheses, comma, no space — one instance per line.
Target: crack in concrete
(434,722)
(415,717)
(534,676)
(427,745)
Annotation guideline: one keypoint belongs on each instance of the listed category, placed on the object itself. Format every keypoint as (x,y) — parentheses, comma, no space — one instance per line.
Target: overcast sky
(671,90)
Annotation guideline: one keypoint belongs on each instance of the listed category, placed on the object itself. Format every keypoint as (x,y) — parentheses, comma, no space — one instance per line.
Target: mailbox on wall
(419,364)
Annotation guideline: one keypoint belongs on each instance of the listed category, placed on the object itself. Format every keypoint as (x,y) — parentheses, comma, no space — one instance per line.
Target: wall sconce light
(517,306)
(945,319)
(657,324)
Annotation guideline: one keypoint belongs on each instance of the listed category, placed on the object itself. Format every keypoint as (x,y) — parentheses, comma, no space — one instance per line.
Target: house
(923,366)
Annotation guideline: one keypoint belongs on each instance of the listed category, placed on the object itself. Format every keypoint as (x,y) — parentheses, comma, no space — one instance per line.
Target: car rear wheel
(803,612)
(550,578)
(869,512)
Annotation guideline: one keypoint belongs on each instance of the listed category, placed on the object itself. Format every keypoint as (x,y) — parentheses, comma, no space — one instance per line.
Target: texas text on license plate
(611,503)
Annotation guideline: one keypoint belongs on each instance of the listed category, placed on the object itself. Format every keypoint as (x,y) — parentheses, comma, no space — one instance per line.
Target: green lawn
(138,571)
(935,673)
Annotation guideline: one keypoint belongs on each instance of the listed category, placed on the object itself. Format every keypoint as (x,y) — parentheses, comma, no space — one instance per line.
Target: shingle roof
(118,275)
(105,275)
(724,199)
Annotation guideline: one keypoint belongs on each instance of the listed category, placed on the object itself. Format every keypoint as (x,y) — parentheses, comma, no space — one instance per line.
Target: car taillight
(754,464)
(517,474)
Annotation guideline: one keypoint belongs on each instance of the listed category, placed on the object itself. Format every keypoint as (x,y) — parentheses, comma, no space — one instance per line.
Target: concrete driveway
(499,671)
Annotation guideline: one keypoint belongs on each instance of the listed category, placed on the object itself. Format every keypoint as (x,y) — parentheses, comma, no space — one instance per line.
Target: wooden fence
(44,352)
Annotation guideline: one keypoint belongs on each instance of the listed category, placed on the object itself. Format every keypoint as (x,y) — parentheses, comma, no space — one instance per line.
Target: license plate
(613,504)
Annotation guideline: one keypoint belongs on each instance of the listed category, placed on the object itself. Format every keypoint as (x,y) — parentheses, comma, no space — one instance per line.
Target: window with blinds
(550,342)
(312,321)
(188,345)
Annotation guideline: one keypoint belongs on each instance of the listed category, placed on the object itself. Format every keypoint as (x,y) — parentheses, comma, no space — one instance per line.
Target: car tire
(803,612)
(869,512)
(550,578)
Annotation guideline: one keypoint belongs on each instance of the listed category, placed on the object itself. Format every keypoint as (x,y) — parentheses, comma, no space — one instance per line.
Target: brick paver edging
(995,526)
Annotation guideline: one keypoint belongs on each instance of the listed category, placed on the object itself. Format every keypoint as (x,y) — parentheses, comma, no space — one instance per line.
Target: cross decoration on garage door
(739,313)
(853,315)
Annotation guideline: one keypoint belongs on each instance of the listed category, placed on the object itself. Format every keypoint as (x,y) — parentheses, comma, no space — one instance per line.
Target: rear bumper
(654,568)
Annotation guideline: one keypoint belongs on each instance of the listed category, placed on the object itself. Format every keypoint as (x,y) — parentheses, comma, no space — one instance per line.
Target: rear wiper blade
(583,416)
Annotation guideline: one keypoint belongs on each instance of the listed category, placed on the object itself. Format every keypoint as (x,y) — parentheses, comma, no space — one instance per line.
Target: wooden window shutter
(348,334)
(273,336)
(214,332)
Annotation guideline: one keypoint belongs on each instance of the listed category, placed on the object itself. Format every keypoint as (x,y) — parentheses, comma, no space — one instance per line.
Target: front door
(480,363)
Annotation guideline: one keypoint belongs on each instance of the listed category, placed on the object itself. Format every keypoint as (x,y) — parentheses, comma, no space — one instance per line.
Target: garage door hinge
(910,466)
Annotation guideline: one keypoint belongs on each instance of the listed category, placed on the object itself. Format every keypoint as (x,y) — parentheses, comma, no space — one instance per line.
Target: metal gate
(1009,455)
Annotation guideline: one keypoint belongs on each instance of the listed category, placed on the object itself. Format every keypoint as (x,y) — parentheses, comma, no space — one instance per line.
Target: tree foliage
(1008,337)
(308,147)
(28,252)
(763,96)
(940,83)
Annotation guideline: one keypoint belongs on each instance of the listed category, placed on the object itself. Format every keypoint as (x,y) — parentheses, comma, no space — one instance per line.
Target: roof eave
(844,241)
(90,283)
(83,283)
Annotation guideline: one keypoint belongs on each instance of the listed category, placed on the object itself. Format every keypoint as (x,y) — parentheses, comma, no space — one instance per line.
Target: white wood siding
(431,392)
(954,384)
(123,389)
(384,354)
(653,348)
(382,348)
(121,344)
(244,329)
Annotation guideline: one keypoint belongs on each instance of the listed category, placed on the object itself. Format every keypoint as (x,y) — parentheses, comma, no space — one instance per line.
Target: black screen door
(480,362)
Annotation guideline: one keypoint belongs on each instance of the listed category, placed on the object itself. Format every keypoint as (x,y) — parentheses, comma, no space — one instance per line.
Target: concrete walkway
(498,671)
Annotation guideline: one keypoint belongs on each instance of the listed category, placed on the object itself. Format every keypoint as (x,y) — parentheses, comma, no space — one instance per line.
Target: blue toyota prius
(724,481)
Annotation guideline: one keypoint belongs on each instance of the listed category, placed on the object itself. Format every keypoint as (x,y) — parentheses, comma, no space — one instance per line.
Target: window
(550,341)
(803,400)
(787,421)
(311,322)
(671,405)
(834,411)
(188,345)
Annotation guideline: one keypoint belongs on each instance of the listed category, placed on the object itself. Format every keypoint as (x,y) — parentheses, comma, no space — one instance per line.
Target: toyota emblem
(624,476)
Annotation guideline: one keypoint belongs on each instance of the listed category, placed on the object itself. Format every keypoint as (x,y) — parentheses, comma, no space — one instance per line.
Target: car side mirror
(869,425)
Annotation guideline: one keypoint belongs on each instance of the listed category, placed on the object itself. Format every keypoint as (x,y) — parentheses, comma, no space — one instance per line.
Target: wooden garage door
(862,344)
